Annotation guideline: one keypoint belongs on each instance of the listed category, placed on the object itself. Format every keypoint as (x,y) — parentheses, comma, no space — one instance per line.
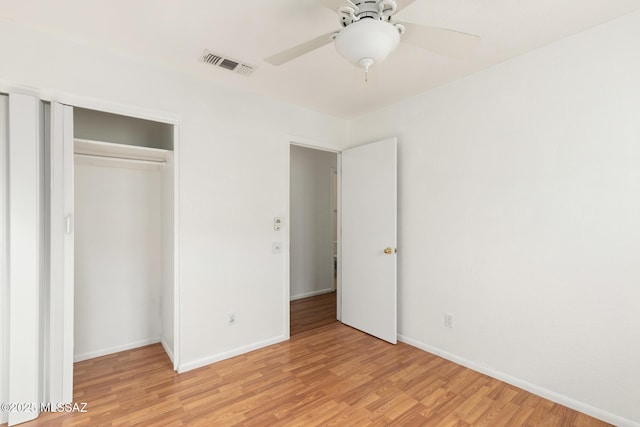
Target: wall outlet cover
(448,320)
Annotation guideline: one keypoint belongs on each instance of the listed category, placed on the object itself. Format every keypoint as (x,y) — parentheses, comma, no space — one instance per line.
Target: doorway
(123,210)
(313,198)
(39,336)
(112,283)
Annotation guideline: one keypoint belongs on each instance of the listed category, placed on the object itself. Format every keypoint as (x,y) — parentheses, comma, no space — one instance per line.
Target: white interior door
(369,220)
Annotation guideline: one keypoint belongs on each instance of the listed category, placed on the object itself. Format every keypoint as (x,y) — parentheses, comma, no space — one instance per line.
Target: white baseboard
(229,354)
(525,385)
(116,349)
(167,350)
(311,294)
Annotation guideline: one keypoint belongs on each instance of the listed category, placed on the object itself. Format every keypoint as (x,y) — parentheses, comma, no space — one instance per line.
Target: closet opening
(123,220)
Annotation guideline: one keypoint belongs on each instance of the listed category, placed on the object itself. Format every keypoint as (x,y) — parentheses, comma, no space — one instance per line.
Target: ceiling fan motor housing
(367,9)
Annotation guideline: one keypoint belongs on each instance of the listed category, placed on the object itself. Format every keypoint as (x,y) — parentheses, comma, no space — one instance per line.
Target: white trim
(333,195)
(286,286)
(231,353)
(116,349)
(45,286)
(167,349)
(311,143)
(339,239)
(311,294)
(525,385)
(177,262)
(90,103)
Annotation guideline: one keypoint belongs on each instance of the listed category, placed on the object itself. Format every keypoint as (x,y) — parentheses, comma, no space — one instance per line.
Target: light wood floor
(310,313)
(333,375)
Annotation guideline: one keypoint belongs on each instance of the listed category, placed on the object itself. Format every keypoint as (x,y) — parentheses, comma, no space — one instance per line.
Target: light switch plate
(276,247)
(278,222)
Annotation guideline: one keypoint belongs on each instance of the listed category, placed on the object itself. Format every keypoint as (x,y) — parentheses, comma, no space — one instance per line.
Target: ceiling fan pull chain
(366,63)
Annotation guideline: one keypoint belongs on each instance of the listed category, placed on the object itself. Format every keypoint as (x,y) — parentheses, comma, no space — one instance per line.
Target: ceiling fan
(369,34)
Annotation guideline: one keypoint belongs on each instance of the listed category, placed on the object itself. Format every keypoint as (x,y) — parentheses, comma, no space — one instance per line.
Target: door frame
(314,145)
(134,112)
(47,95)
(335,195)
(173,120)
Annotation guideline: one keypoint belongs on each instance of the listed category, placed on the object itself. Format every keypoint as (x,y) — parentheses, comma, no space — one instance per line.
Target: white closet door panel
(24,250)
(62,255)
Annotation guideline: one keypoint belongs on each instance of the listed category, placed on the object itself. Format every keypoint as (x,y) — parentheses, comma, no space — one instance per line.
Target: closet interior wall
(123,190)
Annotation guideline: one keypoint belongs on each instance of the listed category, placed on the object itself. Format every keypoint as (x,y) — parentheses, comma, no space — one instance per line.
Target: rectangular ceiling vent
(222,61)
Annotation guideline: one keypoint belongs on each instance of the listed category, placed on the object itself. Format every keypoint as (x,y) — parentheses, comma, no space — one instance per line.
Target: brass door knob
(388,251)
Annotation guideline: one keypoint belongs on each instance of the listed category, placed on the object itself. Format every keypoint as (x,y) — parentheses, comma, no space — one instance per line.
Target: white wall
(311,231)
(233,178)
(118,246)
(519,212)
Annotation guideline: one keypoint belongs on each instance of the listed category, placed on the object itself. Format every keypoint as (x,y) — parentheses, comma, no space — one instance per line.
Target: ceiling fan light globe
(367,39)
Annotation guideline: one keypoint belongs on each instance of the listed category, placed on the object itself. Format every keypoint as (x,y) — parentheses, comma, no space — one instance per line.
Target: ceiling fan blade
(299,50)
(439,40)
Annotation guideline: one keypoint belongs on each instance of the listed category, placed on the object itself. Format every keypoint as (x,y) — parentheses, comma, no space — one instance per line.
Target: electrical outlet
(448,320)
(231,319)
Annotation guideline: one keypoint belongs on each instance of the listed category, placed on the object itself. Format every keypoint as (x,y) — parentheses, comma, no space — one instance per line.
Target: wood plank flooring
(310,313)
(333,375)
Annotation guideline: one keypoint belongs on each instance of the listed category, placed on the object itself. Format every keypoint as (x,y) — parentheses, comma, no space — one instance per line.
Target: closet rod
(126,159)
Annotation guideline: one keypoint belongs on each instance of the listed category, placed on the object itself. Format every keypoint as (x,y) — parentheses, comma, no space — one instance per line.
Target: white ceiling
(174,33)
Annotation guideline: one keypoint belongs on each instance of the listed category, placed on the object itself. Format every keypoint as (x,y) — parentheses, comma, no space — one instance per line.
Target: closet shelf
(101,151)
